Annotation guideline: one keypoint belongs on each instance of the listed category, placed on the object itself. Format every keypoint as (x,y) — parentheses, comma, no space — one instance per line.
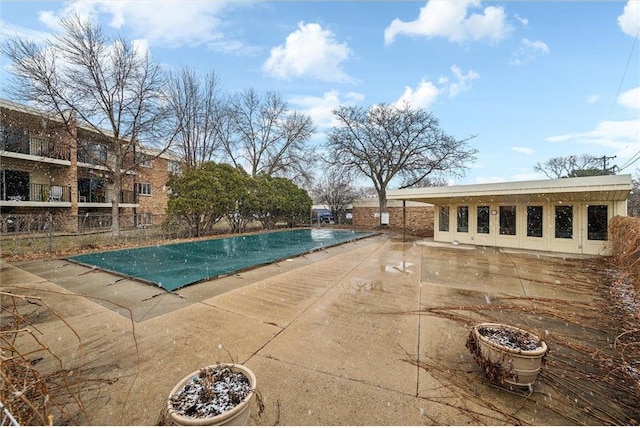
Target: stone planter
(507,354)
(237,415)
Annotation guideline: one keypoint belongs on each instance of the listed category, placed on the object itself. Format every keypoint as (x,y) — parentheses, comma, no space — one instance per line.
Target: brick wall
(47,173)
(157,176)
(418,217)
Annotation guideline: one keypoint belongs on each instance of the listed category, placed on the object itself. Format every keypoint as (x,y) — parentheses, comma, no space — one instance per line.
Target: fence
(42,234)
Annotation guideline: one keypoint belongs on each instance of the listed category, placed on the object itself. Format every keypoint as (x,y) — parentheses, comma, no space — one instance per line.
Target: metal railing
(40,193)
(24,234)
(37,147)
(104,196)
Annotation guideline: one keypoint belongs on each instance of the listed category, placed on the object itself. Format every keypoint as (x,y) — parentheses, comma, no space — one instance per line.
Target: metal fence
(43,234)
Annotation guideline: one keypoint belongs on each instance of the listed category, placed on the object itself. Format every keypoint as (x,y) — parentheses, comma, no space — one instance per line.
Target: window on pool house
(534,221)
(463,219)
(508,220)
(597,222)
(483,219)
(564,221)
(443,219)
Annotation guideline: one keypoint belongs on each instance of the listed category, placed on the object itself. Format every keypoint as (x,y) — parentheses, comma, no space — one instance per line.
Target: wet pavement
(371,332)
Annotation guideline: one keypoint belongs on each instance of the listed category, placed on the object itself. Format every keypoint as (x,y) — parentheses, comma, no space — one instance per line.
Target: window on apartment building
(564,221)
(508,220)
(483,219)
(13,139)
(463,219)
(597,222)
(443,219)
(143,188)
(534,221)
(174,167)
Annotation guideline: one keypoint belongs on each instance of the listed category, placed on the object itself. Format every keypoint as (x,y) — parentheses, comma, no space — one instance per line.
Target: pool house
(569,215)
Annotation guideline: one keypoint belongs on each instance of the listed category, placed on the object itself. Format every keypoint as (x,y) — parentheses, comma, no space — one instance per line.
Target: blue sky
(531,80)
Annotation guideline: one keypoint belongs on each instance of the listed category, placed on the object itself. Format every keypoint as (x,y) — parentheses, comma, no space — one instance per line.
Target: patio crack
(320,297)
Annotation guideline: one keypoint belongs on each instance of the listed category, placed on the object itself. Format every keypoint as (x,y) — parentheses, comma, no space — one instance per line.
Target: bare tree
(633,201)
(431,182)
(104,86)
(387,142)
(266,138)
(567,166)
(335,189)
(200,113)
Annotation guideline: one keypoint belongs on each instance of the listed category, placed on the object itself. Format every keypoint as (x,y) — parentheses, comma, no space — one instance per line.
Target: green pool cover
(175,265)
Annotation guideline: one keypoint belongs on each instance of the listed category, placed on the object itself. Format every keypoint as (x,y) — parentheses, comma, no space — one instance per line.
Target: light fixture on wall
(494,212)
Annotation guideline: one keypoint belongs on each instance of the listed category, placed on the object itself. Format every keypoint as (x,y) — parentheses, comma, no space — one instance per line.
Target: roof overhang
(603,188)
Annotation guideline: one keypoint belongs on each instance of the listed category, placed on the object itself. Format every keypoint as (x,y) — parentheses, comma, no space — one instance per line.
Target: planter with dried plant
(220,394)
(507,354)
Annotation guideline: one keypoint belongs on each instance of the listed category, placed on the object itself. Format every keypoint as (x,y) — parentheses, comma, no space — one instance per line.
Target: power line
(635,158)
(624,73)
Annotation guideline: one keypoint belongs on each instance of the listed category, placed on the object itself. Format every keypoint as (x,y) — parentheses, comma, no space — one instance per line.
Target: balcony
(101,196)
(34,192)
(36,147)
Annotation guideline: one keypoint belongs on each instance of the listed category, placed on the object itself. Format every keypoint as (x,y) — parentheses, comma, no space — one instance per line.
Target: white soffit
(599,188)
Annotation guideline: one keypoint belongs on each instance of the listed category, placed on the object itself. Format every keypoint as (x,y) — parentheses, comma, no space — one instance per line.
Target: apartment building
(43,169)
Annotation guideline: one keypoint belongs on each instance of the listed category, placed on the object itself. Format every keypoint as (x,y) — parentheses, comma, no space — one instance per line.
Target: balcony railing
(37,147)
(39,193)
(102,196)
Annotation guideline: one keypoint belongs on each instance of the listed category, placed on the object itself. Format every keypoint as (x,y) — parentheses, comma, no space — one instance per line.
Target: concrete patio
(351,335)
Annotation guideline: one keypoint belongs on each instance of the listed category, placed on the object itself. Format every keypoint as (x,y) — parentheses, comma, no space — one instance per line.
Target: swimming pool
(173,266)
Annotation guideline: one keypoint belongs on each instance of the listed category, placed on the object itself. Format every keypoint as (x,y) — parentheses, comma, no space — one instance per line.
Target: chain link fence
(42,234)
(39,235)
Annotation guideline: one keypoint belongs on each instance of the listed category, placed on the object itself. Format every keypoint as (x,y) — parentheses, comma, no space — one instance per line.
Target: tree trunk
(382,199)
(115,204)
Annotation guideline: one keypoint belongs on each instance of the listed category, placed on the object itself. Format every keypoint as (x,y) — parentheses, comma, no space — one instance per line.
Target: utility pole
(604,162)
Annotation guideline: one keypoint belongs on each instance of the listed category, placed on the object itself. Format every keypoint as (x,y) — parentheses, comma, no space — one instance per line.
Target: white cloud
(523,21)
(320,108)
(463,81)
(592,99)
(450,19)
(310,51)
(528,51)
(629,21)
(630,99)
(166,23)
(423,96)
(141,47)
(523,150)
(621,136)
(50,19)
(7,30)
(426,93)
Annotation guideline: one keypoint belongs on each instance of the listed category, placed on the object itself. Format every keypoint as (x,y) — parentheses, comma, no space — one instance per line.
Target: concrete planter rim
(226,418)
(539,351)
